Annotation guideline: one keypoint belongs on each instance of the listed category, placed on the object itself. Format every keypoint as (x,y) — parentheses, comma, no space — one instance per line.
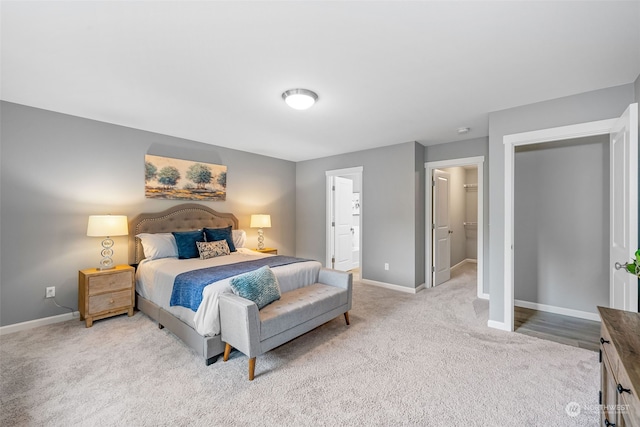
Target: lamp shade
(107,225)
(260,221)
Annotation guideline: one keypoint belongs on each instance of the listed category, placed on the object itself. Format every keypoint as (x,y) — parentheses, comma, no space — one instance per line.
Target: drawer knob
(110,301)
(603,341)
(608,423)
(623,390)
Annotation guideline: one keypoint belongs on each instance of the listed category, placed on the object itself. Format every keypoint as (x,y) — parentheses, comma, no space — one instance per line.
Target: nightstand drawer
(110,301)
(110,282)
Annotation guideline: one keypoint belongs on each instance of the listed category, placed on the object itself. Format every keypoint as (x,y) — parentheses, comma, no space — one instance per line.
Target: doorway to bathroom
(344,220)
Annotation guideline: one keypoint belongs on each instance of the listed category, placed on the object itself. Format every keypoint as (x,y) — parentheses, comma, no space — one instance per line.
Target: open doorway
(561,226)
(622,205)
(344,220)
(454,212)
(561,239)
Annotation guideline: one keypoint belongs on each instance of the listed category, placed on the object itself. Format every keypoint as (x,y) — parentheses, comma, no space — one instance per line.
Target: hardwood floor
(556,327)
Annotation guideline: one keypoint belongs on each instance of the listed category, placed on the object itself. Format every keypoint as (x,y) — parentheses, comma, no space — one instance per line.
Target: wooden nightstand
(105,293)
(273,251)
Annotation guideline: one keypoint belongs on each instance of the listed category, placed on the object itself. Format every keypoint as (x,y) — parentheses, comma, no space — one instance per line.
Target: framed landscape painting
(167,178)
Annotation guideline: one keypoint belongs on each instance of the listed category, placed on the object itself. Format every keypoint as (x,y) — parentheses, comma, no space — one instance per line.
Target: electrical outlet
(50,292)
(386,266)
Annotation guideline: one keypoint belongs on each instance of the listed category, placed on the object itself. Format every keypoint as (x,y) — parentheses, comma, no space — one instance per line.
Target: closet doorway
(344,220)
(454,218)
(622,208)
(561,226)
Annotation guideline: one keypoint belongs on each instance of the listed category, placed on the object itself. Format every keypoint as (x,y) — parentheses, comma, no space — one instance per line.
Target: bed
(199,329)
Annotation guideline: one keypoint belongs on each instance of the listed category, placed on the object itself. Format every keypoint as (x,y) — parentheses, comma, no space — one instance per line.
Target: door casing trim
(477,161)
(581,130)
(357,170)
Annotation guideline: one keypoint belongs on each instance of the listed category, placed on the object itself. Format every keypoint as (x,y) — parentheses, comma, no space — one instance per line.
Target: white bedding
(154,281)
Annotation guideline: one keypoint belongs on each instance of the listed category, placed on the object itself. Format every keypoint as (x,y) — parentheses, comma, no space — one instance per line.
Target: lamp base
(260,239)
(106,263)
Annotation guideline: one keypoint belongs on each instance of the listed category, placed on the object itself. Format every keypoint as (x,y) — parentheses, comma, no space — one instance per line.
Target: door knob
(619,266)
(450,231)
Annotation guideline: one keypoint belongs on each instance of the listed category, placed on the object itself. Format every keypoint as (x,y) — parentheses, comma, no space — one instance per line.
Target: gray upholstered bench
(254,332)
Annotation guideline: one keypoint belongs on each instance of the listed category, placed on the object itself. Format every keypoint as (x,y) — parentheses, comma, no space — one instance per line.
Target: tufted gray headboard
(188,216)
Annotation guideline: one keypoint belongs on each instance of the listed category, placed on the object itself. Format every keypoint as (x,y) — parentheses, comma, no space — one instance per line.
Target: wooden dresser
(620,368)
(105,293)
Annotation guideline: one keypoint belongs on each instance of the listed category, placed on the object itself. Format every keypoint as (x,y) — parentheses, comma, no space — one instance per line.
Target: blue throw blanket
(188,286)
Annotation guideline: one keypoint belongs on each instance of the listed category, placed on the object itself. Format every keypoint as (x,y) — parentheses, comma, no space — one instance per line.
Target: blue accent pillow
(215,234)
(260,286)
(186,242)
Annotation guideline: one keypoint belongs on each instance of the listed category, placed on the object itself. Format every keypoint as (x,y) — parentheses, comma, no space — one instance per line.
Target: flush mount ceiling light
(462,131)
(300,99)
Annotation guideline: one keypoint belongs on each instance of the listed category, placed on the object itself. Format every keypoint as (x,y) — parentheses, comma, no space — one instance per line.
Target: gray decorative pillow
(260,286)
(213,249)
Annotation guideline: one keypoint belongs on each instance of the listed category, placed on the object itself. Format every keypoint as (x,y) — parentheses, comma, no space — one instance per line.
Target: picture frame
(177,179)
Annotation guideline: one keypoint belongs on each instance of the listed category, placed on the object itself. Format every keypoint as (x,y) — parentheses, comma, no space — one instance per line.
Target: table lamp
(260,221)
(107,226)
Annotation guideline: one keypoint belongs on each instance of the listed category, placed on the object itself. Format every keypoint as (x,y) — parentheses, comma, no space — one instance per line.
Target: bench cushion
(298,306)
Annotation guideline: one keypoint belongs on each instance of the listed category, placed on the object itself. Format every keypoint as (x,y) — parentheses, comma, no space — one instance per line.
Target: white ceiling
(385,72)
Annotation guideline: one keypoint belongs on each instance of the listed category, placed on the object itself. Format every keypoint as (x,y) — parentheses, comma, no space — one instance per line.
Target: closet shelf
(471,186)
(470,224)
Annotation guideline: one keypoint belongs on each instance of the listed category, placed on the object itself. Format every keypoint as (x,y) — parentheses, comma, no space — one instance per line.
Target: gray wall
(419,216)
(390,215)
(561,223)
(591,106)
(469,148)
(56,170)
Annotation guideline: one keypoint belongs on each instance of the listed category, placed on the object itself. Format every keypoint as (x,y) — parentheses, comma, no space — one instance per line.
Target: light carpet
(425,359)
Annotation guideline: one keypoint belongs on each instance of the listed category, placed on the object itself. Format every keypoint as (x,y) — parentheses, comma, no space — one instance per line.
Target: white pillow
(158,245)
(239,238)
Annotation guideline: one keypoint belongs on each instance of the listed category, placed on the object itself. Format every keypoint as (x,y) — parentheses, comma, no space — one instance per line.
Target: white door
(342,219)
(623,286)
(441,228)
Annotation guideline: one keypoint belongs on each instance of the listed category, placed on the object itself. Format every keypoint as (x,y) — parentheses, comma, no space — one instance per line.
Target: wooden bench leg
(252,368)
(346,317)
(227,350)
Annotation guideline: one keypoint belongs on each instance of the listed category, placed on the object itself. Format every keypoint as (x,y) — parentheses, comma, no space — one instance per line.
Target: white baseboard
(463,262)
(394,287)
(458,265)
(483,296)
(17,327)
(558,310)
(498,325)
